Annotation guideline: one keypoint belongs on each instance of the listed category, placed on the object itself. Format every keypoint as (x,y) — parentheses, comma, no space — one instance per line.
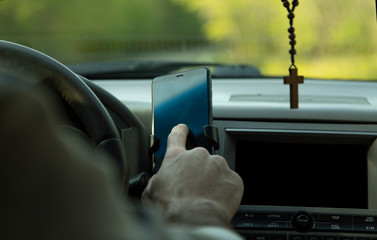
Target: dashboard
(309,173)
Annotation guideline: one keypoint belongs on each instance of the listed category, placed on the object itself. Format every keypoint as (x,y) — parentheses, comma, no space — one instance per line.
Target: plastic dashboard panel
(267,99)
(330,112)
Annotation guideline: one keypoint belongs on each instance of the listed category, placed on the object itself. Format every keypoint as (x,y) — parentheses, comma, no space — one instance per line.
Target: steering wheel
(26,65)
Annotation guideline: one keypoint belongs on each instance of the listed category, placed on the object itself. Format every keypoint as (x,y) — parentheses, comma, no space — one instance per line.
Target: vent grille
(303,99)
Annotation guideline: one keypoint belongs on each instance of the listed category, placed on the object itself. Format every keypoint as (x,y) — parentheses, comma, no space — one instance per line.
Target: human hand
(193,186)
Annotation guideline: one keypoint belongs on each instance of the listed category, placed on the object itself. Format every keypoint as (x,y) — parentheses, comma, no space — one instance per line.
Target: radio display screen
(301,174)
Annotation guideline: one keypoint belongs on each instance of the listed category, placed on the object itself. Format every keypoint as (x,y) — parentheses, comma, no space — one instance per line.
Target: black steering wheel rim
(33,67)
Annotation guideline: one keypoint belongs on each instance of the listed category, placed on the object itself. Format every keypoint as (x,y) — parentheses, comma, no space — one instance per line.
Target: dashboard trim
(239,131)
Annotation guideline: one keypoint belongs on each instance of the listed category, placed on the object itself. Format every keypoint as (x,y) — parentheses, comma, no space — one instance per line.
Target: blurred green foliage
(335,39)
(82,30)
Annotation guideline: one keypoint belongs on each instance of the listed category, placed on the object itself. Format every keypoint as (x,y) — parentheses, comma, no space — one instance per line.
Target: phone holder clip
(212,133)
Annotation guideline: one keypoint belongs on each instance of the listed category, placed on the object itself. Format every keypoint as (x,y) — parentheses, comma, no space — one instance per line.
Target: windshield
(335,39)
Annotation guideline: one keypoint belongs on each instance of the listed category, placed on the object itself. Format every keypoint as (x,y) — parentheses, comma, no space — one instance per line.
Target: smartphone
(184,97)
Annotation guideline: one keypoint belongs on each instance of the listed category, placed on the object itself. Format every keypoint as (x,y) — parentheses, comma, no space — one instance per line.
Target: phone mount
(212,133)
(154,144)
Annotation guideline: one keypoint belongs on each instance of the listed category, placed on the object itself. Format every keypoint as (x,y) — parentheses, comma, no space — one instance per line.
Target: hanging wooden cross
(293,79)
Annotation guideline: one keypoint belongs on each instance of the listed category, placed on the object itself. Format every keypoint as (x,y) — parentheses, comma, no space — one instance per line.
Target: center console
(303,181)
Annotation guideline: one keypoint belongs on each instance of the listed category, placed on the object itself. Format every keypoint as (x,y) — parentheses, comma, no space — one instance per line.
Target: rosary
(293,79)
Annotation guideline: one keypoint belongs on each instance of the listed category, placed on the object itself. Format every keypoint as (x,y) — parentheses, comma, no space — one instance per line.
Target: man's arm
(54,186)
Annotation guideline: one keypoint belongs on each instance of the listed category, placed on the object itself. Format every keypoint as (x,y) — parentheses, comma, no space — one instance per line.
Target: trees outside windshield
(335,39)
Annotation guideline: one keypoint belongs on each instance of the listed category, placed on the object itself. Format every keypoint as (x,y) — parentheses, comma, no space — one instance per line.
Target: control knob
(302,222)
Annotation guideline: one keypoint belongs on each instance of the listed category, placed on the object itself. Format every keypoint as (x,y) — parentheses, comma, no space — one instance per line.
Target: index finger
(177,138)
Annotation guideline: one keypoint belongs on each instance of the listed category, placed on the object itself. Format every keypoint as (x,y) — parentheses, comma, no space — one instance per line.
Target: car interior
(310,173)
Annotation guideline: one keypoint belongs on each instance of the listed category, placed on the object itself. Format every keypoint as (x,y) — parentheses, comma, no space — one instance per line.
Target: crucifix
(293,79)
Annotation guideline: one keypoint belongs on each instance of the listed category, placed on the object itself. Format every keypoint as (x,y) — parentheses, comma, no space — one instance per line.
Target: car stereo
(301,191)
(302,182)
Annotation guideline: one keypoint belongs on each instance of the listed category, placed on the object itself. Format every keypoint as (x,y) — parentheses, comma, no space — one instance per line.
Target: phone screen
(181,98)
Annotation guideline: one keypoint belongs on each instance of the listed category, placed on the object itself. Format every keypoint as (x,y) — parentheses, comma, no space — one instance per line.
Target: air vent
(303,99)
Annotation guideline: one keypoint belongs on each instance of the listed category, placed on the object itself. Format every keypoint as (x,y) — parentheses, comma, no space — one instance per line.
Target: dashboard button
(260,237)
(365,219)
(335,218)
(274,216)
(333,226)
(297,237)
(276,225)
(246,223)
(244,215)
(277,237)
(316,237)
(365,227)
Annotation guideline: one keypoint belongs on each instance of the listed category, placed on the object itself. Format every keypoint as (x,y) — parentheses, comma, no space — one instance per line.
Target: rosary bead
(291,29)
